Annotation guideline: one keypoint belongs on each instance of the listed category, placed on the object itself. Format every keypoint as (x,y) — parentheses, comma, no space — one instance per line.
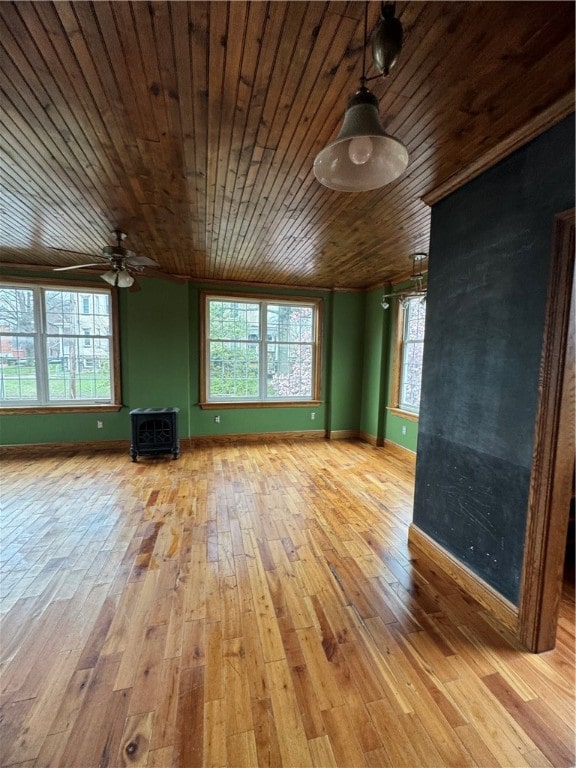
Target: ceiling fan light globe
(125,279)
(110,277)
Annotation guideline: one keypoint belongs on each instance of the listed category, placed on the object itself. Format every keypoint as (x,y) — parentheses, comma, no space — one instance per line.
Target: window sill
(261,404)
(403,414)
(38,409)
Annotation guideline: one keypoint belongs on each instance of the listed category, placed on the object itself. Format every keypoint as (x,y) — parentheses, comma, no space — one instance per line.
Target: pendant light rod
(363,78)
(363,156)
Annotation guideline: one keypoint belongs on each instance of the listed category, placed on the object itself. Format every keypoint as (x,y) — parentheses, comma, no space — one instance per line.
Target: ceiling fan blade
(135,287)
(141,261)
(78,266)
(15,265)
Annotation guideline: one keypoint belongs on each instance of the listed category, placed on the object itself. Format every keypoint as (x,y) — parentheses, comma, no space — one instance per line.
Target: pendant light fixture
(363,156)
(418,288)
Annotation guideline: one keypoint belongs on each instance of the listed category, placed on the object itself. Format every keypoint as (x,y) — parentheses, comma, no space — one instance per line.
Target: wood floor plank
(254,605)
(265,733)
(135,741)
(37,724)
(292,741)
(189,745)
(166,712)
(215,754)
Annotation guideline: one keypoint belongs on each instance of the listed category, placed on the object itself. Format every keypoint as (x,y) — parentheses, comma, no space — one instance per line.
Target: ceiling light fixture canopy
(418,280)
(363,156)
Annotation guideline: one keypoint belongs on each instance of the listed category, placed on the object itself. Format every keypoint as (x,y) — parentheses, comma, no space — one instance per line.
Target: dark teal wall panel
(488,277)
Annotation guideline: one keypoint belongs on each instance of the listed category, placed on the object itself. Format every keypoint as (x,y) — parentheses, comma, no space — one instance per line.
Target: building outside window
(53,351)
(260,349)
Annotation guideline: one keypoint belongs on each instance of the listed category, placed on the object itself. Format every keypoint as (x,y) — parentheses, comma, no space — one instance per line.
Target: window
(408,354)
(53,352)
(260,349)
(412,352)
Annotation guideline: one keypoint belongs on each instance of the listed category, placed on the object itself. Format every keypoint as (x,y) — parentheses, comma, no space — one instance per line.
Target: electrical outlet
(313,415)
(217,419)
(403,429)
(100,424)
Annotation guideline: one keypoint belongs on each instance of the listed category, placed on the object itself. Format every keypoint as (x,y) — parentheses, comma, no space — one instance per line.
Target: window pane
(289,370)
(290,323)
(234,320)
(415,320)
(16,310)
(77,371)
(412,354)
(17,369)
(66,313)
(234,369)
(412,375)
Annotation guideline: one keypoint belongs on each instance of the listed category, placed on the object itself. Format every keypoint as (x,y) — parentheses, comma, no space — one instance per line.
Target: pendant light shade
(363,156)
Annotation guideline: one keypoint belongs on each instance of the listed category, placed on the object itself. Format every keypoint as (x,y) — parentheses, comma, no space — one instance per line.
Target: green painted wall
(375,323)
(159,341)
(393,431)
(155,343)
(344,380)
(160,356)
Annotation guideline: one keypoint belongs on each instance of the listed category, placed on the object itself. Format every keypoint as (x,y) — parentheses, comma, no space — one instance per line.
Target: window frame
(264,300)
(115,403)
(399,342)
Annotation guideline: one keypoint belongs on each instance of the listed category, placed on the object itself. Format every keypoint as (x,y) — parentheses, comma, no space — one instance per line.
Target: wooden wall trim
(400,450)
(35,449)
(29,449)
(21,450)
(343,434)
(253,437)
(368,438)
(553,456)
(533,128)
(505,611)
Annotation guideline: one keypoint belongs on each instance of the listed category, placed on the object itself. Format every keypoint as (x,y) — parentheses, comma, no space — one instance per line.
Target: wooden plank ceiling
(193,127)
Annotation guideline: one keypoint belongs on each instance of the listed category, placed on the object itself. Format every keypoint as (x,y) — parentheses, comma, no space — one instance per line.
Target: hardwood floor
(253,605)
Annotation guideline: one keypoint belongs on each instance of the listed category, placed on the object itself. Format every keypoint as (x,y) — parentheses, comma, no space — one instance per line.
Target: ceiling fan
(121,261)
